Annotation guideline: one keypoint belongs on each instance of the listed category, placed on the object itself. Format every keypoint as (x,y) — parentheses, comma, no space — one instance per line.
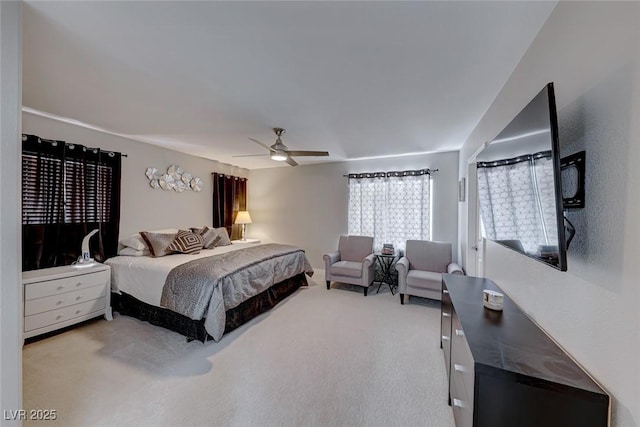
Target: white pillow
(134,241)
(165,231)
(129,251)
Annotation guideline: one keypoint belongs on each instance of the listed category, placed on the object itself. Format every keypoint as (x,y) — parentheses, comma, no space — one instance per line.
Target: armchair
(352,263)
(420,269)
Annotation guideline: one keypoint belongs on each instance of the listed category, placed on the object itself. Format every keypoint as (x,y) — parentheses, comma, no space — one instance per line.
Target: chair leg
(402,299)
(365,291)
(328,284)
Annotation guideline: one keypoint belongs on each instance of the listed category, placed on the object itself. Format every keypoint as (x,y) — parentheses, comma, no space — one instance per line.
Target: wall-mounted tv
(519,184)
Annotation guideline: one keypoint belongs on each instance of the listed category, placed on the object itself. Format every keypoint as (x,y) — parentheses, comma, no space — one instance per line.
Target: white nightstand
(61,296)
(244,242)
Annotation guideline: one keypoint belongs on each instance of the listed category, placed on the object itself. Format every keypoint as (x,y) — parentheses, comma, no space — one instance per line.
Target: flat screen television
(519,184)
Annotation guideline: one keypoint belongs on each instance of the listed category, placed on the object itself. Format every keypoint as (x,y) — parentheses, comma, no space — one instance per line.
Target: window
(41,179)
(85,195)
(393,207)
(517,200)
(67,191)
(229,197)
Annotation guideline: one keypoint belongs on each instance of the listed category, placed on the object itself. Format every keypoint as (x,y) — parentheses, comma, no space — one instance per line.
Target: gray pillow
(210,236)
(158,243)
(224,237)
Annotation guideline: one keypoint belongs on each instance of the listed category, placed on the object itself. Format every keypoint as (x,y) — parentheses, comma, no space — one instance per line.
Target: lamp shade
(243,217)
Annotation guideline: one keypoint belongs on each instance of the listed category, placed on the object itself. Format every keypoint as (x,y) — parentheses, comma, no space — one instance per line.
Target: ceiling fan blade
(291,161)
(308,153)
(250,155)
(260,143)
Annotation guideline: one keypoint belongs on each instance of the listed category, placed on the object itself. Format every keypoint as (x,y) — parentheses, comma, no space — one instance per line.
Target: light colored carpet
(320,358)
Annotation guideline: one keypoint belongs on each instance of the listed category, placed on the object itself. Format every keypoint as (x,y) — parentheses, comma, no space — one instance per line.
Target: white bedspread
(144,277)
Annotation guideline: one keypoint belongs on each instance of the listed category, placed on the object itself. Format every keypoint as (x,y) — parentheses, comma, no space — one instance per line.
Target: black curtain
(229,197)
(67,191)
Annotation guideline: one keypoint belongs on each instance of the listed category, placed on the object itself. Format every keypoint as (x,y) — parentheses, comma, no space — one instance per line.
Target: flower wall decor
(175,179)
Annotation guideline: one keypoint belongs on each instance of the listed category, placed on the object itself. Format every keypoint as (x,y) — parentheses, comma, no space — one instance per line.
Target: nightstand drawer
(67,284)
(66,299)
(63,314)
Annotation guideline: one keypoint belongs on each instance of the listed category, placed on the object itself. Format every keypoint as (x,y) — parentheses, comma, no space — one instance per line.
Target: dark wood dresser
(504,370)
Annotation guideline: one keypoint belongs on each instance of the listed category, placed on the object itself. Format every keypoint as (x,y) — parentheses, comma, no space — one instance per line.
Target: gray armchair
(420,269)
(352,263)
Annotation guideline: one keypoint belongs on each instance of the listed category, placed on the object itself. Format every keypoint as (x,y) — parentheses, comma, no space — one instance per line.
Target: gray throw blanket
(208,287)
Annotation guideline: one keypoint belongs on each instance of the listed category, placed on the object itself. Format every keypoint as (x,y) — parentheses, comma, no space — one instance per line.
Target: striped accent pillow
(187,242)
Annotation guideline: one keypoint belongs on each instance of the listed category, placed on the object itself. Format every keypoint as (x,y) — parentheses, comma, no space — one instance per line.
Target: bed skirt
(194,329)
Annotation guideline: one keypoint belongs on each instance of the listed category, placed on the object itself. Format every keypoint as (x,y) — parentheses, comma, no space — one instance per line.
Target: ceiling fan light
(279,155)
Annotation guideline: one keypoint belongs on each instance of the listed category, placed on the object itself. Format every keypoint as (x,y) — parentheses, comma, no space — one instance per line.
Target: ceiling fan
(280,152)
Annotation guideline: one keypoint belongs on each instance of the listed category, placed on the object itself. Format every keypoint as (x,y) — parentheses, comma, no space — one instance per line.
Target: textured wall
(307,205)
(591,51)
(600,122)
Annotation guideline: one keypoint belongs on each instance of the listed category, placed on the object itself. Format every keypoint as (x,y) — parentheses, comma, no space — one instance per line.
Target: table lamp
(85,258)
(243,218)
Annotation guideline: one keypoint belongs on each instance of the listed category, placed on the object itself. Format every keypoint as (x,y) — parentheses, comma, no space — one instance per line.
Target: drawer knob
(59,316)
(459,332)
(445,338)
(459,368)
(458,403)
(79,297)
(60,287)
(79,284)
(60,302)
(78,311)
(445,314)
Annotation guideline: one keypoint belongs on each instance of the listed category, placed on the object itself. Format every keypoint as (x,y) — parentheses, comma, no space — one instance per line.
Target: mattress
(144,277)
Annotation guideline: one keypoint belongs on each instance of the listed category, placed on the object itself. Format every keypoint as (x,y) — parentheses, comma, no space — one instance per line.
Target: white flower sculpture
(175,179)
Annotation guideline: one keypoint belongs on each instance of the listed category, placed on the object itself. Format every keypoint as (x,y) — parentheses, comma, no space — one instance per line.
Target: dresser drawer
(63,314)
(53,302)
(462,364)
(67,284)
(445,320)
(462,409)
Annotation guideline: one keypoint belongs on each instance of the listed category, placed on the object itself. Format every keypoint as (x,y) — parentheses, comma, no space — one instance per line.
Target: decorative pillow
(224,237)
(187,242)
(134,241)
(166,231)
(158,243)
(129,251)
(209,236)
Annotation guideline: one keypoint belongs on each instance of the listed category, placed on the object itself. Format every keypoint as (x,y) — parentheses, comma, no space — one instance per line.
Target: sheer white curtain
(392,207)
(517,201)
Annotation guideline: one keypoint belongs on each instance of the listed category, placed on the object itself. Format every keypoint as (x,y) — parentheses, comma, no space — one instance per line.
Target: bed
(205,295)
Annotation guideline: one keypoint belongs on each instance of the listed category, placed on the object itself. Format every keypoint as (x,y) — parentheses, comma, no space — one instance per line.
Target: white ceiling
(357,79)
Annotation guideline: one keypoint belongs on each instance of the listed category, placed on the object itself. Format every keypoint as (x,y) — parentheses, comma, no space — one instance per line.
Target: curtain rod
(72,145)
(392,173)
(109,152)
